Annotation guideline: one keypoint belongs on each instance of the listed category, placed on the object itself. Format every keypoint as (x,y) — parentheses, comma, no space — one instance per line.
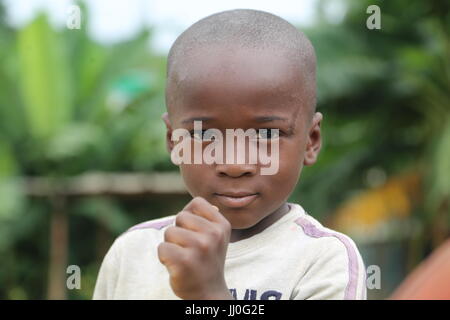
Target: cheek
(292,155)
(193,175)
(291,164)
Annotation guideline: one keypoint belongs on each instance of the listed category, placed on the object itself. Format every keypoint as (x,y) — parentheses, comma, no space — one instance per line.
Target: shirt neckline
(249,244)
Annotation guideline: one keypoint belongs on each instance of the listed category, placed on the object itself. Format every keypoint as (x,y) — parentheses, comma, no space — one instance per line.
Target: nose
(235,170)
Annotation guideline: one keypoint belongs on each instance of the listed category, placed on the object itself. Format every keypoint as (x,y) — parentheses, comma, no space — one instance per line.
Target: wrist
(220,294)
(223,295)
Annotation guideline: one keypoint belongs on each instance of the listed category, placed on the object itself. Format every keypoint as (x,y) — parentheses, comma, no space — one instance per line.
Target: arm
(334,274)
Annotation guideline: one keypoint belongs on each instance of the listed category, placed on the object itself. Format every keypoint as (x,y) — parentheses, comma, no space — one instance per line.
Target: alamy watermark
(374,20)
(259,141)
(74,279)
(73,20)
(373,277)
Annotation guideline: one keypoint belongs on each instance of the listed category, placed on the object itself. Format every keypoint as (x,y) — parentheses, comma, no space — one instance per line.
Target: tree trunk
(58,251)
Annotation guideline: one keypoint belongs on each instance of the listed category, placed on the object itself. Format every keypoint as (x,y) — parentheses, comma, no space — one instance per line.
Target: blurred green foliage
(385,96)
(70,105)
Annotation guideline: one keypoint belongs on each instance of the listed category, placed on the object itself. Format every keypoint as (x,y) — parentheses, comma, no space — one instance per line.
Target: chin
(240,223)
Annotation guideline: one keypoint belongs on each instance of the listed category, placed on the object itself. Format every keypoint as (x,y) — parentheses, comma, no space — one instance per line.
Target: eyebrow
(261,119)
(269,118)
(265,119)
(189,120)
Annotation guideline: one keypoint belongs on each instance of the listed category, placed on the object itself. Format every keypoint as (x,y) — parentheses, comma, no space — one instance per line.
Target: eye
(202,134)
(267,134)
(197,134)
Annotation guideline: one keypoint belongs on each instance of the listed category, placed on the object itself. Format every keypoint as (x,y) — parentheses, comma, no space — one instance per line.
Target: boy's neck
(241,234)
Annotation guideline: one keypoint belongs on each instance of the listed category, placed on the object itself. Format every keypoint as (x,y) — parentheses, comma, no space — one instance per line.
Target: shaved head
(243,29)
(244,69)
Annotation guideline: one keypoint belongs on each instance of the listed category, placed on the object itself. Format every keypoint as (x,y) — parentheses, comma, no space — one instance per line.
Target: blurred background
(82,150)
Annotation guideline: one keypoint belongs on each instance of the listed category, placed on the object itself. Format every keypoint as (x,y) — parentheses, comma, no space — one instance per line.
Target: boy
(238,238)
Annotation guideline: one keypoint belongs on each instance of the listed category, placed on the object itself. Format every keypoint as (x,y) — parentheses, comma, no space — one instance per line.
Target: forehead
(214,82)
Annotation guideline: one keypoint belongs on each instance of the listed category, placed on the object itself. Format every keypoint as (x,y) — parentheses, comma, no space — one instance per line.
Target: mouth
(236,199)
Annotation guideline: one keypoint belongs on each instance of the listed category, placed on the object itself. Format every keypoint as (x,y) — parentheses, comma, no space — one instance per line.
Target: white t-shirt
(294,258)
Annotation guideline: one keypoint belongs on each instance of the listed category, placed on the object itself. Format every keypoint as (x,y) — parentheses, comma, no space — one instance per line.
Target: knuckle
(162,252)
(160,248)
(183,213)
(169,230)
(176,272)
(168,234)
(185,262)
(182,259)
(203,245)
(216,233)
(198,200)
(227,226)
(180,218)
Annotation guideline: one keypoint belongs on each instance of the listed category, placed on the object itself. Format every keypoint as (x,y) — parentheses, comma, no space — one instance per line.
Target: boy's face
(244,89)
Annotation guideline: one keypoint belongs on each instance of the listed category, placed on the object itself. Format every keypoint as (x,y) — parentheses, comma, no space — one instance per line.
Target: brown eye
(202,134)
(197,134)
(267,134)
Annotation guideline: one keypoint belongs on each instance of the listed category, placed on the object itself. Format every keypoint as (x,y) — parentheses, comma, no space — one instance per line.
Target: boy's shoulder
(317,232)
(154,224)
(313,229)
(333,251)
(320,240)
(147,230)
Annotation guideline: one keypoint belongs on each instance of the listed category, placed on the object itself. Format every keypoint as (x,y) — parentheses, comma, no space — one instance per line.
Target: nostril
(235,171)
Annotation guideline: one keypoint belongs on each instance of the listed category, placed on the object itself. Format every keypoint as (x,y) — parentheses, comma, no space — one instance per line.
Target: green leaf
(44,78)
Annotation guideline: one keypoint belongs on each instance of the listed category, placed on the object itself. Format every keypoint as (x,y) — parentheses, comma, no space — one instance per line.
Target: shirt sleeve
(336,273)
(108,275)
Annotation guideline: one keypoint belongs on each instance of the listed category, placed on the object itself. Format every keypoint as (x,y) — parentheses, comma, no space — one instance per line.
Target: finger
(190,221)
(169,253)
(183,237)
(203,208)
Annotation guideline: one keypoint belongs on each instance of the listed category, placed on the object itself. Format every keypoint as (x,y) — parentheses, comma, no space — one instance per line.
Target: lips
(236,199)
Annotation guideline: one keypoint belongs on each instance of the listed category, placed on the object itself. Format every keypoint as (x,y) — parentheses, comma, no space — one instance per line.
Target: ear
(169,142)
(314,142)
